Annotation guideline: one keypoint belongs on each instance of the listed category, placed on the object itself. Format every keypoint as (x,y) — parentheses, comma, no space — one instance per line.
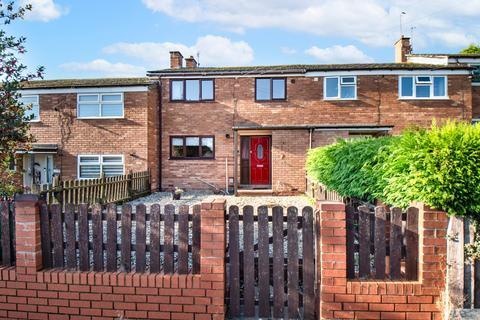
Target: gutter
(371,127)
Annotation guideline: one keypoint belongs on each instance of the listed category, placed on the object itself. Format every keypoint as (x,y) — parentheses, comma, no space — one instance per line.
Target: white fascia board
(386,72)
(464,60)
(85,90)
(251,75)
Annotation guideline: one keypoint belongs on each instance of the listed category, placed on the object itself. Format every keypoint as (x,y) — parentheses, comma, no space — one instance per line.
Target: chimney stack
(176,60)
(402,48)
(191,62)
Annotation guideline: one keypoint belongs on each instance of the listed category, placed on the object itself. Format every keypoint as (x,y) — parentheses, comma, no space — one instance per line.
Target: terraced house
(241,128)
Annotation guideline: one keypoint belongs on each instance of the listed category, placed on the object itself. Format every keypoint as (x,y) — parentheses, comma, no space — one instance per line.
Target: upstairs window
(267,89)
(476,72)
(31,103)
(105,105)
(192,147)
(93,166)
(192,90)
(340,88)
(423,87)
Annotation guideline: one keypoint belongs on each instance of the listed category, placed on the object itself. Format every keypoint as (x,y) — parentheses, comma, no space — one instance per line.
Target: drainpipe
(310,133)
(160,136)
(235,169)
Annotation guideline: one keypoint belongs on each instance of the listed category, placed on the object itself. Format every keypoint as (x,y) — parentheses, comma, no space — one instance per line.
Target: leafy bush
(440,167)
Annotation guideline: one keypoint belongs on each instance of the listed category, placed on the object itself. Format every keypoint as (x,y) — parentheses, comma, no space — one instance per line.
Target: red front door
(260,160)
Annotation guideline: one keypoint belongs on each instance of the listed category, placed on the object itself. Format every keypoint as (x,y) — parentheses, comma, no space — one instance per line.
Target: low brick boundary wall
(28,293)
(355,299)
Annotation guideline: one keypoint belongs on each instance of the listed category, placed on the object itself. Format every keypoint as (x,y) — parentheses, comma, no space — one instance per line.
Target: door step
(255,192)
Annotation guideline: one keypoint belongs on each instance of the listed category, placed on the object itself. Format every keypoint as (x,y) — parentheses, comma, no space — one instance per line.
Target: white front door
(38,170)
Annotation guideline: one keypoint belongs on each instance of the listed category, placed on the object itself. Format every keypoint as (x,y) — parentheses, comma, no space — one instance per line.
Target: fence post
(129,184)
(212,255)
(102,188)
(333,264)
(455,264)
(27,233)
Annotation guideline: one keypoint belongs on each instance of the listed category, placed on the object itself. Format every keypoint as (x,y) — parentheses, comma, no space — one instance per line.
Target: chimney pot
(402,48)
(176,60)
(191,62)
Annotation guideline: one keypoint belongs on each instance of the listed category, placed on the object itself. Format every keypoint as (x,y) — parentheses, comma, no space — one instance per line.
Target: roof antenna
(412,31)
(198,58)
(401,26)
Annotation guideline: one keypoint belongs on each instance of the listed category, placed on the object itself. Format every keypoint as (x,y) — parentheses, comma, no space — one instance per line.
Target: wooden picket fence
(319,192)
(7,236)
(103,190)
(125,248)
(382,243)
(271,263)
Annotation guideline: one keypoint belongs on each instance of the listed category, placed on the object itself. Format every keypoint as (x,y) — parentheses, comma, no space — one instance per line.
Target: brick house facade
(197,127)
(62,134)
(304,119)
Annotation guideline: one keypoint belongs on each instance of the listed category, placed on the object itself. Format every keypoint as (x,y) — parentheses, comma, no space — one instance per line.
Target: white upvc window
(93,166)
(340,88)
(31,102)
(423,87)
(100,105)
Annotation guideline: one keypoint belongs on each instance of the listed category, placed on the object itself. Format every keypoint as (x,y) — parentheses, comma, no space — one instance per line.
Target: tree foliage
(440,167)
(14,126)
(471,49)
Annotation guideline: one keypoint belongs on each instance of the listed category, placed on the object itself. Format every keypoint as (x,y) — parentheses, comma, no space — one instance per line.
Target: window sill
(193,102)
(340,99)
(194,159)
(428,99)
(99,118)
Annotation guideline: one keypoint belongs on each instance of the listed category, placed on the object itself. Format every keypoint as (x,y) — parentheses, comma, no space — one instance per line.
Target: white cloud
(213,50)
(339,54)
(288,50)
(373,22)
(43,10)
(453,38)
(105,68)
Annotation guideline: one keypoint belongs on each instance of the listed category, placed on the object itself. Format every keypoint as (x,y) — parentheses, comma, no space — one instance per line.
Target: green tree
(14,126)
(471,49)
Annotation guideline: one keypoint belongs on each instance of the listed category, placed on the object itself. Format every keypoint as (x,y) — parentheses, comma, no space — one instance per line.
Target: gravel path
(195,197)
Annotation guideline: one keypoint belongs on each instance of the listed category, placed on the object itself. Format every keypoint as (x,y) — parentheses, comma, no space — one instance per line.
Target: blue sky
(87,38)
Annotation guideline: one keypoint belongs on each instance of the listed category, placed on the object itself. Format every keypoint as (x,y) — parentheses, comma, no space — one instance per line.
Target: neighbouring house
(250,127)
(86,128)
(241,128)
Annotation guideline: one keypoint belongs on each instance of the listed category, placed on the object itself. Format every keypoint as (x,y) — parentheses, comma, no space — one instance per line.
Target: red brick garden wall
(354,299)
(26,292)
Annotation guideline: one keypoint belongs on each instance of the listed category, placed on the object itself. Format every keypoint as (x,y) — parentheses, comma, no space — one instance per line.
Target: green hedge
(440,167)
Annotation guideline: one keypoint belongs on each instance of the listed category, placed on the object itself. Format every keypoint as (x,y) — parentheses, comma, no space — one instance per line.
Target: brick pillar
(27,233)
(333,267)
(212,255)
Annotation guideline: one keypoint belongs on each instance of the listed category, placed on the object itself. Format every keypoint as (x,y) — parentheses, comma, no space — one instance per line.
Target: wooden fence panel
(278,263)
(380,242)
(83,239)
(248,262)
(350,246)
(263,264)
(395,243)
(233,253)
(183,240)
(126,256)
(141,240)
(45,233)
(308,264)
(155,238)
(411,235)
(196,238)
(7,240)
(292,249)
(364,242)
(70,229)
(57,233)
(112,238)
(169,235)
(97,232)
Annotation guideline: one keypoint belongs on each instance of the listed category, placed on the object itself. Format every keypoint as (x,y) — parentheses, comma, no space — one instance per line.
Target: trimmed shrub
(440,167)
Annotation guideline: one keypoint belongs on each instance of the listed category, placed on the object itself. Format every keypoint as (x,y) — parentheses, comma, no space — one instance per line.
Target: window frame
(339,85)
(271,89)
(184,137)
(422,83)
(100,103)
(37,103)
(99,162)
(184,83)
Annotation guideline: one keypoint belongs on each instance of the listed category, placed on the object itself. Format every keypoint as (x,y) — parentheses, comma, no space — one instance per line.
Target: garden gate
(271,257)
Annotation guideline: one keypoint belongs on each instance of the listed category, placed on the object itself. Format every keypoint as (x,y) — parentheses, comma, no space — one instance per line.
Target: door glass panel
(260,152)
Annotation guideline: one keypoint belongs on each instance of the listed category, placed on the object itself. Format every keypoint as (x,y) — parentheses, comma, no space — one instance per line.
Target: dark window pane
(192,88)
(177,148)
(263,89)
(407,86)
(207,89)
(193,144)
(207,147)
(177,90)
(278,88)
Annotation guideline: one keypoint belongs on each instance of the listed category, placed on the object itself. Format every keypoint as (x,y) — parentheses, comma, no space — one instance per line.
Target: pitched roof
(302,68)
(85,83)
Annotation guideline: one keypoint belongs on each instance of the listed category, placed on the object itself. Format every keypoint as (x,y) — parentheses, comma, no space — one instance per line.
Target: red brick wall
(134,136)
(355,299)
(476,101)
(235,105)
(26,293)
